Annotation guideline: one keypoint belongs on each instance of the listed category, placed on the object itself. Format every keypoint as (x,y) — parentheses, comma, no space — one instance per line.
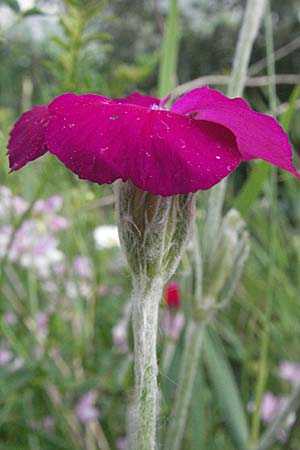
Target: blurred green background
(65,368)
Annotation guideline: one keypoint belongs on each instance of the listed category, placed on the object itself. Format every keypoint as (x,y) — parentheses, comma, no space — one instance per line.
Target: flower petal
(161,152)
(27,138)
(139,99)
(258,135)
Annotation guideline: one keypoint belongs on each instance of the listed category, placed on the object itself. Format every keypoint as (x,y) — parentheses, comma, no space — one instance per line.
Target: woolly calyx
(153,230)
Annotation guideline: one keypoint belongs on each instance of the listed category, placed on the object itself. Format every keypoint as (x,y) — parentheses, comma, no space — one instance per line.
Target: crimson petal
(258,135)
(161,152)
(138,99)
(28,137)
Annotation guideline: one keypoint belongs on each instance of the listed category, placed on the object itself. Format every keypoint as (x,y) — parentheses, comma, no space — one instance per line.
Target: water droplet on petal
(114,117)
(218,157)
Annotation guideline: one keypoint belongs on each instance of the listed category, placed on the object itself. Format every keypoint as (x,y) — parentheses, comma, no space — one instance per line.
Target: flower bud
(172,294)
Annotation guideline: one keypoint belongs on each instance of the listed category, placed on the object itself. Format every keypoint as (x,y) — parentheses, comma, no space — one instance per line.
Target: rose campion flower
(201,140)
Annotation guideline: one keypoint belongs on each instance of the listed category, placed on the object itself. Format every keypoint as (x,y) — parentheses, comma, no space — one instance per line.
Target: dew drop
(71,125)
(114,117)
(218,157)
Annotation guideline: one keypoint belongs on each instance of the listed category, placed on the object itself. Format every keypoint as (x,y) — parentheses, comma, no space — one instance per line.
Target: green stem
(145,304)
(248,32)
(190,361)
(272,194)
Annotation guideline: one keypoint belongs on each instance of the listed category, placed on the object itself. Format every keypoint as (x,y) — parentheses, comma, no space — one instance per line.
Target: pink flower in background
(57,223)
(290,371)
(85,408)
(42,323)
(172,324)
(5,357)
(201,140)
(50,205)
(122,443)
(120,330)
(270,407)
(82,266)
(119,335)
(35,244)
(10,318)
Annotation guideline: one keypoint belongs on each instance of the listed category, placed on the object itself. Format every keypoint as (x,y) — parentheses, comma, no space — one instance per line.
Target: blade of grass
(226,391)
(168,65)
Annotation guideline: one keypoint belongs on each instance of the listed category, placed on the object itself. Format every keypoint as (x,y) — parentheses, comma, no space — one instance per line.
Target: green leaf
(32,12)
(57,40)
(286,118)
(226,391)
(12,4)
(96,37)
(198,419)
(168,64)
(95,9)
(252,187)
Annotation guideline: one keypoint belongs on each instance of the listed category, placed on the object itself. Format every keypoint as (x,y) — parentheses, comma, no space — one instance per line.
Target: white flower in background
(106,236)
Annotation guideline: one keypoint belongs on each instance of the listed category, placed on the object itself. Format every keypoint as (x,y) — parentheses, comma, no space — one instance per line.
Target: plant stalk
(250,26)
(145,303)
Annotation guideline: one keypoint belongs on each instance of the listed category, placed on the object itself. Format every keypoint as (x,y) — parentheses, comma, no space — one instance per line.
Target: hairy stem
(145,304)
(191,356)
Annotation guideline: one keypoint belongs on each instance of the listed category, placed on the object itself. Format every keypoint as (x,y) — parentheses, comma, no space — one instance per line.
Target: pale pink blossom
(85,407)
(290,371)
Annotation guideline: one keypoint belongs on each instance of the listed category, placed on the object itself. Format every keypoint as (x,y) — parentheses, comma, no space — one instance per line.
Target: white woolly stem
(191,357)
(145,304)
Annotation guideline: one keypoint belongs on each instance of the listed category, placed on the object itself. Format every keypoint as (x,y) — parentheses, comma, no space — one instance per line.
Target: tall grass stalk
(193,342)
(272,194)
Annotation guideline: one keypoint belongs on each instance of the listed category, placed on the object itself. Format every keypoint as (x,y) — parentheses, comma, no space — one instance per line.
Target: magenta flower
(201,140)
